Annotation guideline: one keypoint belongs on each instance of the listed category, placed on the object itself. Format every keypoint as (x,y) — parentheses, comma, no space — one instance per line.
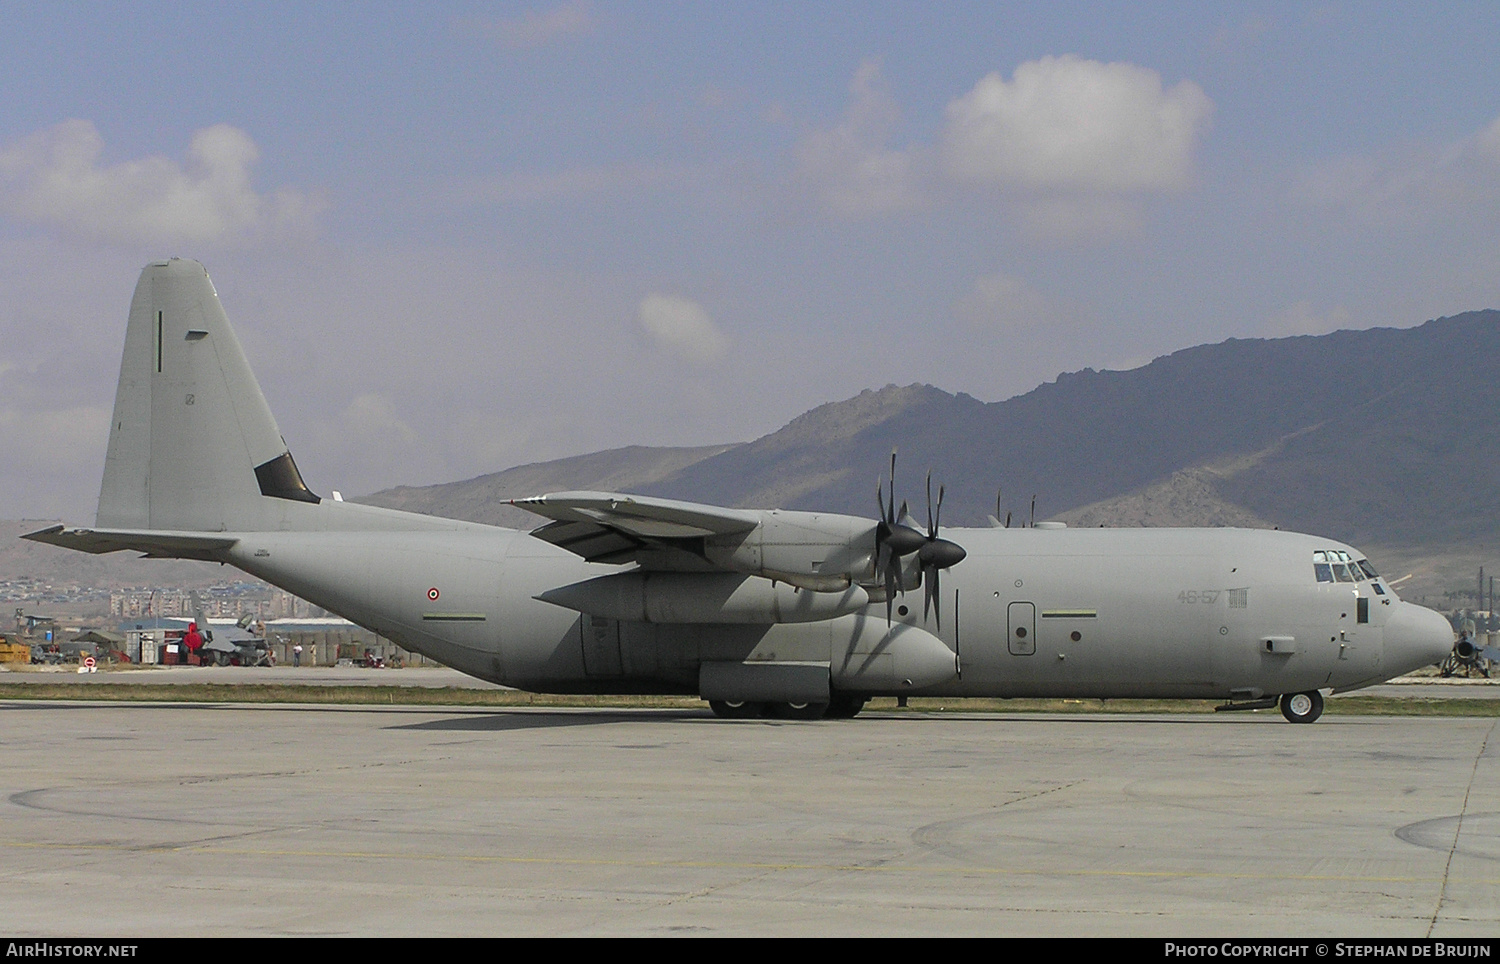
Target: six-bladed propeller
(895,539)
(935,555)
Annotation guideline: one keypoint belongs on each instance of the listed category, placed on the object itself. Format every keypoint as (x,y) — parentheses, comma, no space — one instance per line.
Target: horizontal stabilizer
(154,543)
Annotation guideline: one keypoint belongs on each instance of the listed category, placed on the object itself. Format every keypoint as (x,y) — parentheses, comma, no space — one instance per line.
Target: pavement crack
(1458,829)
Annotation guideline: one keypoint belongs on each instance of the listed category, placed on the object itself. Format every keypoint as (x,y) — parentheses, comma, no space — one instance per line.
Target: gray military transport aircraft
(793,614)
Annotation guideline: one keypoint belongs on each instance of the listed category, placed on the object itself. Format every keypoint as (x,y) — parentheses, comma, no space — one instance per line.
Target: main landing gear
(841,706)
(1302,707)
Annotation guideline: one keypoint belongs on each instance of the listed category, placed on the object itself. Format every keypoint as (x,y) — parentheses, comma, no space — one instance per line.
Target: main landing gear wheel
(844,706)
(1302,707)
(736,709)
(796,711)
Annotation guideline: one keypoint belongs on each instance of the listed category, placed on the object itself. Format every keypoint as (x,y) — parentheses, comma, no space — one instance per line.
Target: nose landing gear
(1302,707)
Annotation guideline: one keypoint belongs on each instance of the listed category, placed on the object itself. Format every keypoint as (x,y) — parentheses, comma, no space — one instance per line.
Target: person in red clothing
(192,639)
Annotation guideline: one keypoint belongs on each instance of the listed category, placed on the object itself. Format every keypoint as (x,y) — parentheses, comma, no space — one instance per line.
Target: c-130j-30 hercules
(797,614)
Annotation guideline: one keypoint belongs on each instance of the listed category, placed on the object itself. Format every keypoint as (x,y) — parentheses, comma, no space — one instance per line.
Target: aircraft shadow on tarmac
(496,721)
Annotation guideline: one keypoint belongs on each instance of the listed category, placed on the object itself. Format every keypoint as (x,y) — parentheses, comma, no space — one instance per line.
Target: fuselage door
(1022,635)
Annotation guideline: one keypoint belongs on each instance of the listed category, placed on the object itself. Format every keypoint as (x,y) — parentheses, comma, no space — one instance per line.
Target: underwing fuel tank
(690,597)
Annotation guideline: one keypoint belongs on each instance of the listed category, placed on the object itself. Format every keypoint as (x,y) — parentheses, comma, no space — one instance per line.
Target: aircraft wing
(154,543)
(616,528)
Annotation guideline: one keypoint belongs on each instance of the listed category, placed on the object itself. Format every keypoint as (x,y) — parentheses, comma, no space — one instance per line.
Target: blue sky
(467,236)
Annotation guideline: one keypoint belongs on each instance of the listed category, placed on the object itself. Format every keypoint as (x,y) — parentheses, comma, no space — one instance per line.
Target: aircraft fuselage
(1109,613)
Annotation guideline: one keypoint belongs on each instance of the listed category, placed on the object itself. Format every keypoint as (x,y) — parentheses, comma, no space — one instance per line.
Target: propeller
(935,555)
(893,539)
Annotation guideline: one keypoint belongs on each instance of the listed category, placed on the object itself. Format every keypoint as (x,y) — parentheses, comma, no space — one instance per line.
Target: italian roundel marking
(433,593)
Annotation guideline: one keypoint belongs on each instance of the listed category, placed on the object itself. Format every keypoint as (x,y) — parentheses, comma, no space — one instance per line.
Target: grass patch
(459,696)
(1342,706)
(349,695)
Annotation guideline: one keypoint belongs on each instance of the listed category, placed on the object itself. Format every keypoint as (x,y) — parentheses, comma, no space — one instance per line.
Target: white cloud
(850,164)
(1080,217)
(682,326)
(369,438)
(372,418)
(1065,123)
(55,177)
(1075,143)
(1412,184)
(541,27)
(1487,141)
(1006,302)
(1302,319)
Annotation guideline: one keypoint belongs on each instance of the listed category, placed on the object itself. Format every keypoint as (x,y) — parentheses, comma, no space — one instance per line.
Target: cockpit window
(1335,565)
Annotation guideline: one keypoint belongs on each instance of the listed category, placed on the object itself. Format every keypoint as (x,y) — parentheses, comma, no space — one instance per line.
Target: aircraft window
(1369,569)
(1341,572)
(1323,571)
(1320,556)
(1376,586)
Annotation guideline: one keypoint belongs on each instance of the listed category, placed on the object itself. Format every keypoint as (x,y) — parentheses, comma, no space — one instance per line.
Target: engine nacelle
(690,597)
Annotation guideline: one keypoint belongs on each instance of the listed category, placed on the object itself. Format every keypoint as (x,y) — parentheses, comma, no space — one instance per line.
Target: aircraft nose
(1415,636)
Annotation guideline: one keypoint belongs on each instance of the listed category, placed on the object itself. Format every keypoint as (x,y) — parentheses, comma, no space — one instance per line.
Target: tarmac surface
(1423,687)
(427,677)
(230,819)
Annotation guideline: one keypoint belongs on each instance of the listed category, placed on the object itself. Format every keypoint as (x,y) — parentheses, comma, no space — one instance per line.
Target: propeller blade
(891,514)
(931,532)
(892,583)
(930,582)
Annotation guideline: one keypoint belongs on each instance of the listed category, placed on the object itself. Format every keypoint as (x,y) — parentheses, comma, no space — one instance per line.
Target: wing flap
(591,540)
(614,528)
(641,516)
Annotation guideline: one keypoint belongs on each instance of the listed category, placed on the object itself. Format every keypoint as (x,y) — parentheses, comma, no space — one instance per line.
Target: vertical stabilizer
(193,444)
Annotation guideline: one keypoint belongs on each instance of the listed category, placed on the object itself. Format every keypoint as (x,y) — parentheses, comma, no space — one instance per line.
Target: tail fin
(193,445)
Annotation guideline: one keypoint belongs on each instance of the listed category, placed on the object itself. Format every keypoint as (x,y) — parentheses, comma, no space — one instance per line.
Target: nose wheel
(1302,707)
